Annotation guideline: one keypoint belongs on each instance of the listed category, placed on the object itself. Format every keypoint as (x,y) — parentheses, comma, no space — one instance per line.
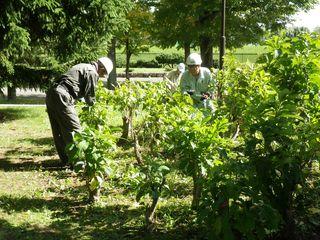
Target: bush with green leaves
(250,161)
(92,150)
(169,59)
(146,64)
(282,131)
(275,103)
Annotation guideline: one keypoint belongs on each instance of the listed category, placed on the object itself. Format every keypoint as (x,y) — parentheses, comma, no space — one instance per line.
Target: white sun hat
(181,67)
(194,59)
(107,63)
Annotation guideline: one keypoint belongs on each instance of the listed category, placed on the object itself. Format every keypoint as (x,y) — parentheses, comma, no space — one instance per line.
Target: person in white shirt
(197,81)
(174,76)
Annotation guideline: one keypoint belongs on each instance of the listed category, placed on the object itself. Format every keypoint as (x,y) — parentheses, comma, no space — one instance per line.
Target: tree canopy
(45,32)
(198,22)
(63,28)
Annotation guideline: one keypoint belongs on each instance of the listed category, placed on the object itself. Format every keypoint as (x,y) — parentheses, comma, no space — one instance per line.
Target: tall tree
(137,38)
(66,29)
(198,21)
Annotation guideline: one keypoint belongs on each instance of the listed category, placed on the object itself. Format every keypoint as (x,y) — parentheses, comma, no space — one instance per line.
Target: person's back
(81,81)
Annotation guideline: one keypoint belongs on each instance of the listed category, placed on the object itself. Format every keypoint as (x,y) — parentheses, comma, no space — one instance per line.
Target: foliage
(90,154)
(146,64)
(32,78)
(185,21)
(169,59)
(281,154)
(277,107)
(92,149)
(254,162)
(137,38)
(59,29)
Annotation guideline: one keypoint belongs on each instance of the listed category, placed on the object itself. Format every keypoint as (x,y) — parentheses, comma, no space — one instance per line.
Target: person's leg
(69,123)
(66,117)
(63,119)
(57,138)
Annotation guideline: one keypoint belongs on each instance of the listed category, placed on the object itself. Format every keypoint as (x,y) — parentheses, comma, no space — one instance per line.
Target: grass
(41,200)
(246,53)
(23,100)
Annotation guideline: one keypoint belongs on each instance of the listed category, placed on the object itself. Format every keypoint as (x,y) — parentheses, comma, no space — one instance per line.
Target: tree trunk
(206,49)
(2,93)
(137,149)
(12,93)
(287,212)
(150,213)
(127,125)
(128,56)
(152,209)
(186,50)
(94,195)
(112,80)
(197,188)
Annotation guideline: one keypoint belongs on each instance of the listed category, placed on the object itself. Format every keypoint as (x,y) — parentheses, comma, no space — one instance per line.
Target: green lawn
(246,53)
(40,200)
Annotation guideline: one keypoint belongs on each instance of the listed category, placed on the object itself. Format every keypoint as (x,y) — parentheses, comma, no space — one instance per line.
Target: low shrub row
(159,60)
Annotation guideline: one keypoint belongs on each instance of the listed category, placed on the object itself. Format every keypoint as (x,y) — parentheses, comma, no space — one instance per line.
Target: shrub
(147,64)
(169,59)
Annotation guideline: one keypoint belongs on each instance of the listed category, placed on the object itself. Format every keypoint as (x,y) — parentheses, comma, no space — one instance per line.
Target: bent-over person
(78,82)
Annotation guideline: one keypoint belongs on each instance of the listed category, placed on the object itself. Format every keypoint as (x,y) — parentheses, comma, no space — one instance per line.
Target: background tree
(68,30)
(137,38)
(173,25)
(246,22)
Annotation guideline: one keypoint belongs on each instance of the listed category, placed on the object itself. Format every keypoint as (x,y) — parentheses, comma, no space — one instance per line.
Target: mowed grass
(41,200)
(246,53)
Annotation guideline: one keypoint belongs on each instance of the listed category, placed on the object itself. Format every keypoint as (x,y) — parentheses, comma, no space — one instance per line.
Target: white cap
(181,67)
(194,59)
(107,63)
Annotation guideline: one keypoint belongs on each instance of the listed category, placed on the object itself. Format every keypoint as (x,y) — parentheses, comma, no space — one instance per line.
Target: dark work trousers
(63,118)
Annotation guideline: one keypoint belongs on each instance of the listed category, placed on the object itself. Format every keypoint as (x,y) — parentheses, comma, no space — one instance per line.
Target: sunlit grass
(40,200)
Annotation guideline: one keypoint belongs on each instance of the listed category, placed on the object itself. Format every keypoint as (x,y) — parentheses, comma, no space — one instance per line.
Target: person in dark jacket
(78,82)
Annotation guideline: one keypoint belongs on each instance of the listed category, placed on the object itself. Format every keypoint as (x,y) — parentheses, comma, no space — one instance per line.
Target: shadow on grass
(35,99)
(9,114)
(27,164)
(31,158)
(72,220)
(30,152)
(44,141)
(11,232)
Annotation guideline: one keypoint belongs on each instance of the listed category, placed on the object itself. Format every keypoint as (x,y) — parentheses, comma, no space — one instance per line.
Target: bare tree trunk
(197,189)
(128,56)
(186,50)
(2,93)
(137,149)
(112,80)
(150,213)
(127,125)
(94,195)
(206,49)
(152,209)
(289,230)
(12,93)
